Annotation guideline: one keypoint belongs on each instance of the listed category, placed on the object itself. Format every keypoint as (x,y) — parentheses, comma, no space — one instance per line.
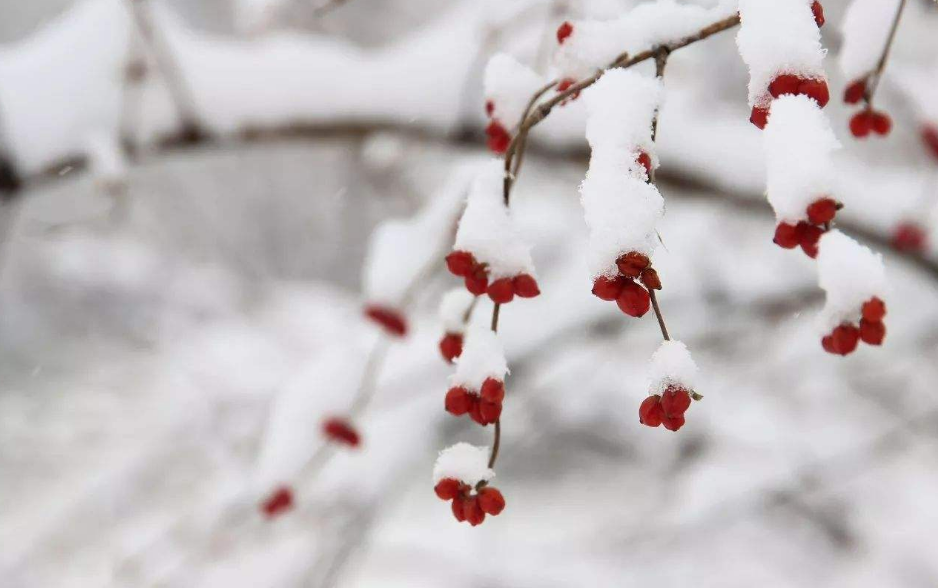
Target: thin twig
(881,64)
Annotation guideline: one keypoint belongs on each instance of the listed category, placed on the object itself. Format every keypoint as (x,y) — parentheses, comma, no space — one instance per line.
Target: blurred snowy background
(179,312)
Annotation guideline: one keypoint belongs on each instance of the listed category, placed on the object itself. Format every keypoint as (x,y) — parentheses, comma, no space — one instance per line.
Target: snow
(850,274)
(464,462)
(106,161)
(798,143)
(509,86)
(453,308)
(865,27)
(487,228)
(620,107)
(483,357)
(775,38)
(672,365)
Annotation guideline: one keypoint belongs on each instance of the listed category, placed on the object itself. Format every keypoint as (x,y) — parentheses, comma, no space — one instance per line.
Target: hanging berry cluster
(455,310)
(508,87)
(467,506)
(844,338)
(673,372)
(461,475)
(622,289)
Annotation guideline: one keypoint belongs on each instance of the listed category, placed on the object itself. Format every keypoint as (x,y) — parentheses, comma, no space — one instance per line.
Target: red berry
(673,423)
(477,281)
(645,161)
(491,501)
(451,346)
(827,342)
(874,310)
(845,339)
(861,124)
(881,123)
(277,503)
(489,107)
(475,411)
(816,89)
(525,286)
(460,263)
(930,138)
(786,236)
(855,92)
(872,332)
(759,116)
(458,401)
(675,401)
(447,489)
(340,431)
(818,12)
(498,137)
(908,236)
(564,31)
(392,321)
(808,237)
(650,279)
(632,263)
(489,411)
(492,391)
(650,412)
(459,510)
(633,300)
(822,211)
(606,288)
(501,291)
(564,85)
(472,511)
(784,84)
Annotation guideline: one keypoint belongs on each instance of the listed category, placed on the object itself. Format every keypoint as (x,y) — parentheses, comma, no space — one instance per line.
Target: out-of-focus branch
(877,74)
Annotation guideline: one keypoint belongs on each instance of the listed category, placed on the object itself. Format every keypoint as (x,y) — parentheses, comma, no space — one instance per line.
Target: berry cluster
(844,338)
(867,120)
(807,233)
(791,84)
(631,297)
(280,501)
(451,346)
(469,507)
(340,431)
(390,319)
(498,136)
(484,406)
(909,236)
(666,409)
(503,290)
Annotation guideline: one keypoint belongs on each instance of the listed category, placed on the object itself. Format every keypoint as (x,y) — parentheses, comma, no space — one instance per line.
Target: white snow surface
(463,462)
(798,143)
(865,27)
(620,108)
(453,307)
(778,37)
(671,365)
(510,85)
(850,274)
(483,357)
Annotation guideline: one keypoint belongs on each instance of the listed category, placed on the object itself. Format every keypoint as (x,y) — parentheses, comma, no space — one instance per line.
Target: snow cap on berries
(778,37)
(850,274)
(509,86)
(865,27)
(482,357)
(672,365)
(464,462)
(798,145)
(621,106)
(487,229)
(453,308)
(398,250)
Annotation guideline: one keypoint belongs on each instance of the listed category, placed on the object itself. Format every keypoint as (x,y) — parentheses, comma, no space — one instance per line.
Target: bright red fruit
(880,122)
(855,92)
(822,211)
(827,342)
(633,300)
(447,489)
(477,281)
(278,502)
(458,401)
(564,31)
(673,423)
(460,263)
(650,412)
(340,431)
(818,12)
(650,278)
(808,236)
(909,236)
(451,346)
(501,291)
(816,89)
(645,161)
(491,501)
(675,401)
(632,263)
(492,391)
(784,84)
(459,510)
(844,339)
(759,116)
(472,511)
(490,412)
(392,321)
(475,412)
(786,236)
(872,333)
(525,286)
(874,310)
(498,137)
(861,124)
(606,288)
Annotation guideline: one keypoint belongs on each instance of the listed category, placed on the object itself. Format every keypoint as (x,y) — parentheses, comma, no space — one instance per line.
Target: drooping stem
(654,305)
(877,74)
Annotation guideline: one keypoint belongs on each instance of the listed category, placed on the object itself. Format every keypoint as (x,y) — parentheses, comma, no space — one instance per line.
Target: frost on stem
(671,381)
(477,388)
(489,252)
(460,470)
(854,280)
(621,206)
(799,169)
(509,86)
(400,252)
(780,43)
(454,313)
